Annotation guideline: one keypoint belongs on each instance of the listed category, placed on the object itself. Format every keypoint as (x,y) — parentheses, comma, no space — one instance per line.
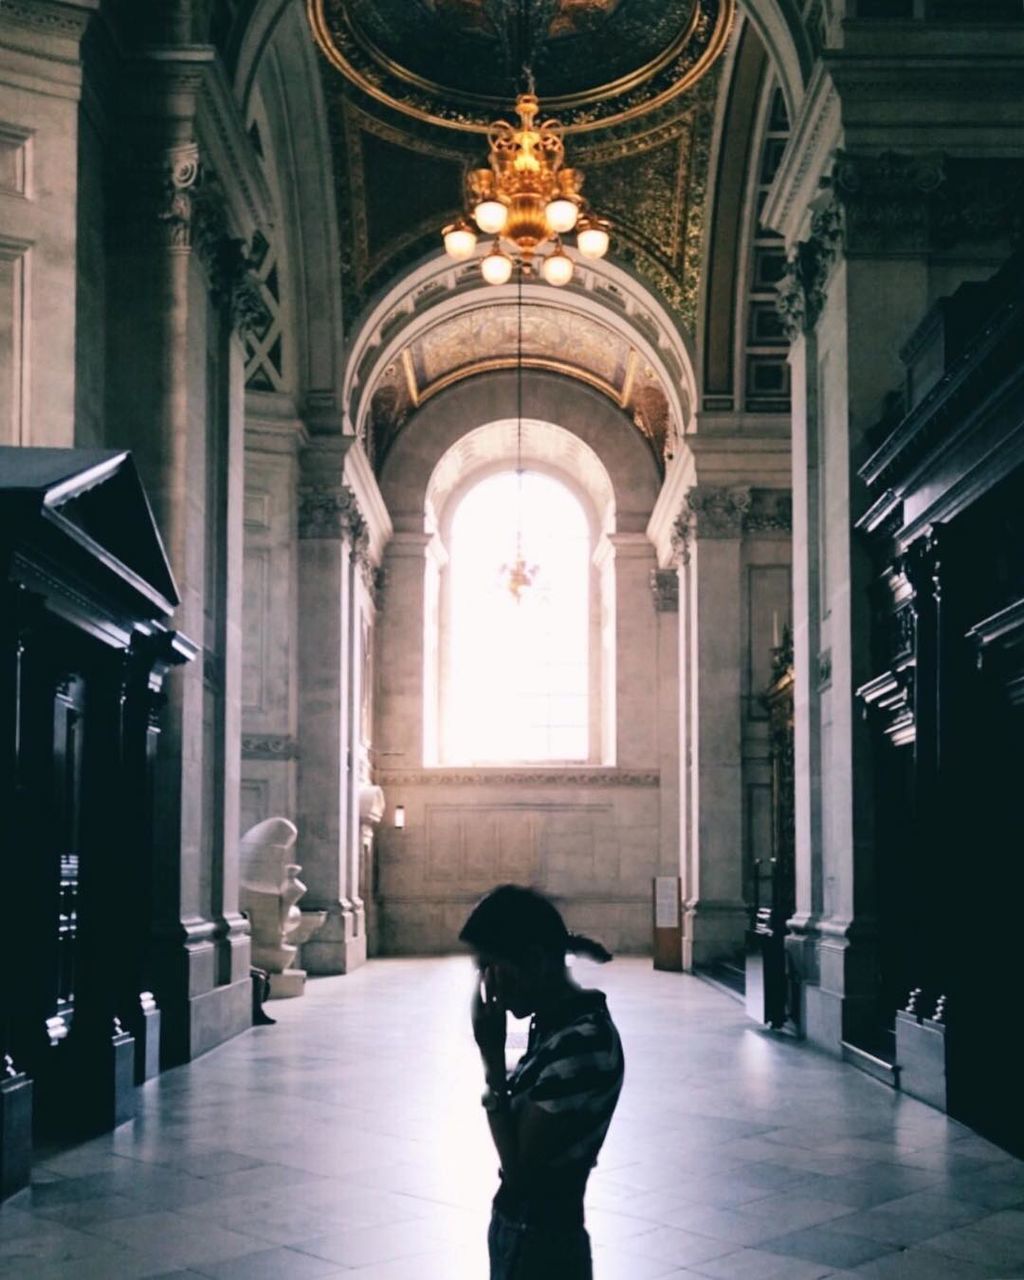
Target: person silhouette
(549,1116)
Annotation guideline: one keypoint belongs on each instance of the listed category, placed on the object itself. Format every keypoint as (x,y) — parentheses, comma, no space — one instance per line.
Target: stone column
(329,524)
(710,533)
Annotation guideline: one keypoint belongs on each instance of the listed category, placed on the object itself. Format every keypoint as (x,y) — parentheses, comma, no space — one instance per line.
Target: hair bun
(580,945)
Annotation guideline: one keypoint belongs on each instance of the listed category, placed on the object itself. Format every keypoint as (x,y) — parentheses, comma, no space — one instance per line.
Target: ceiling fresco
(556,338)
(459,63)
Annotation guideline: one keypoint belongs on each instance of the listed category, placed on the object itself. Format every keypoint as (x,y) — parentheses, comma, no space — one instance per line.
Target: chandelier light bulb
(592,238)
(561,215)
(491,216)
(526,197)
(459,240)
(558,268)
(496,266)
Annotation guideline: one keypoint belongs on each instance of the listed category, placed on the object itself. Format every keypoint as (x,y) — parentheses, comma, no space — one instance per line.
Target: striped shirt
(573,1068)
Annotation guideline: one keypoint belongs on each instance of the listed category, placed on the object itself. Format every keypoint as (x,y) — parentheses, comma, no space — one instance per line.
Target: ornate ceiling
(458,63)
(443,325)
(411,85)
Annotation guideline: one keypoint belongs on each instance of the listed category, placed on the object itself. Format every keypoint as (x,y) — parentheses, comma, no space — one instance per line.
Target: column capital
(802,289)
(880,204)
(717,511)
(665,590)
(330,511)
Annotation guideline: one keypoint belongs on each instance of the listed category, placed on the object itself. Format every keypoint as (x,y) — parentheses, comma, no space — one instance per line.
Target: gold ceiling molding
(676,69)
(558,340)
(497,364)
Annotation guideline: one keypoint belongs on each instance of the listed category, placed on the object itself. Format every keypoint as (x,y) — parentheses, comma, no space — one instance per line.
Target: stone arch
(408,472)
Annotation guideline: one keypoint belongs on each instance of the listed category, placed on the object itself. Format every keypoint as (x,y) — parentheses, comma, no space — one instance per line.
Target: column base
(285,986)
(340,943)
(219,1015)
(712,931)
(842,1004)
(15,1133)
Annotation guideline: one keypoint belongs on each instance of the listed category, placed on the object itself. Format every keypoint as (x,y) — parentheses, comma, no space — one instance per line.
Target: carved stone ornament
(665,590)
(269,746)
(887,199)
(227,260)
(163,205)
(332,511)
(802,289)
(555,777)
(719,511)
(682,536)
(771,511)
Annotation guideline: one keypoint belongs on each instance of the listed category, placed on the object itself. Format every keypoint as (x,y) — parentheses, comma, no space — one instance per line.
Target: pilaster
(709,533)
(336,577)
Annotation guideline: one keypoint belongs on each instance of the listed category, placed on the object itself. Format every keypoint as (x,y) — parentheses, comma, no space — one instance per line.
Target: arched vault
(441,325)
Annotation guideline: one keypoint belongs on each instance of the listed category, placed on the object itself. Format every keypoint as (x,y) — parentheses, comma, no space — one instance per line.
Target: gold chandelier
(527,200)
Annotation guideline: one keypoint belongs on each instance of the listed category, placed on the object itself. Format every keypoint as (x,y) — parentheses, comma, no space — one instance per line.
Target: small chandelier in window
(527,199)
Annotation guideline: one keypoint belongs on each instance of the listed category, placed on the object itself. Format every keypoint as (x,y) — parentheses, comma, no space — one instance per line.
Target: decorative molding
(681,538)
(895,203)
(229,265)
(719,512)
(771,511)
(57,19)
(886,199)
(332,511)
(802,289)
(665,590)
(555,776)
(269,746)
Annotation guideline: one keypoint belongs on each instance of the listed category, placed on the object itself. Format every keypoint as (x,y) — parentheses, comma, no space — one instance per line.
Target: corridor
(348,1140)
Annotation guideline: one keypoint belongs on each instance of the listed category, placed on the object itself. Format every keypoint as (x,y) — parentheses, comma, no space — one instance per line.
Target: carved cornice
(554,777)
(665,590)
(65,19)
(269,746)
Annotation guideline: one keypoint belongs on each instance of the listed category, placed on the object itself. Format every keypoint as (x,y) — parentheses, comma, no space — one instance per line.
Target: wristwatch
(494,1099)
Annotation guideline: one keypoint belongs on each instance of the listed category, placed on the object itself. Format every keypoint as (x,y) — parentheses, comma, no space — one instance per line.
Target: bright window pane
(517,674)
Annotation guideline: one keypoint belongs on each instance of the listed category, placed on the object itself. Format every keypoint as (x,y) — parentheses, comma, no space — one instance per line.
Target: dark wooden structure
(947,531)
(85,598)
(769,998)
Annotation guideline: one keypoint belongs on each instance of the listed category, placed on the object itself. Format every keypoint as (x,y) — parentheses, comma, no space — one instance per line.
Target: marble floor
(347,1140)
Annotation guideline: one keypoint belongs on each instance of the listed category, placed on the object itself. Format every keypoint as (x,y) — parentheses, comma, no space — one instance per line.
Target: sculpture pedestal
(291,981)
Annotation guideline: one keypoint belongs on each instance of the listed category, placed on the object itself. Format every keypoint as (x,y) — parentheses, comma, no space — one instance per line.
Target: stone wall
(588,837)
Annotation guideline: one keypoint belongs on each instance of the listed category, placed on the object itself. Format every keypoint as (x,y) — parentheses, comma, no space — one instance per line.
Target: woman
(549,1117)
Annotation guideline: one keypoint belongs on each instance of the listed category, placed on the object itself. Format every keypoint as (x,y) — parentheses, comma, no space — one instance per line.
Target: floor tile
(347,1141)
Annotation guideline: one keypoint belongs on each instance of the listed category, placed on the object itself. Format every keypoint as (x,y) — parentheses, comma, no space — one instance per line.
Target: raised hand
(488,1014)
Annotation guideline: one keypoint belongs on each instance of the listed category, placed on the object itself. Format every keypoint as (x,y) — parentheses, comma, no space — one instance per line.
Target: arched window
(517,671)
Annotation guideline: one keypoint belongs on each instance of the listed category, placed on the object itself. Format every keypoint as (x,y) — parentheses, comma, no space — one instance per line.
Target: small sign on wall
(668,927)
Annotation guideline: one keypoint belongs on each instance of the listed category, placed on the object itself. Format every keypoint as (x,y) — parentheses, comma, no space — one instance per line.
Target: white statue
(269,888)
